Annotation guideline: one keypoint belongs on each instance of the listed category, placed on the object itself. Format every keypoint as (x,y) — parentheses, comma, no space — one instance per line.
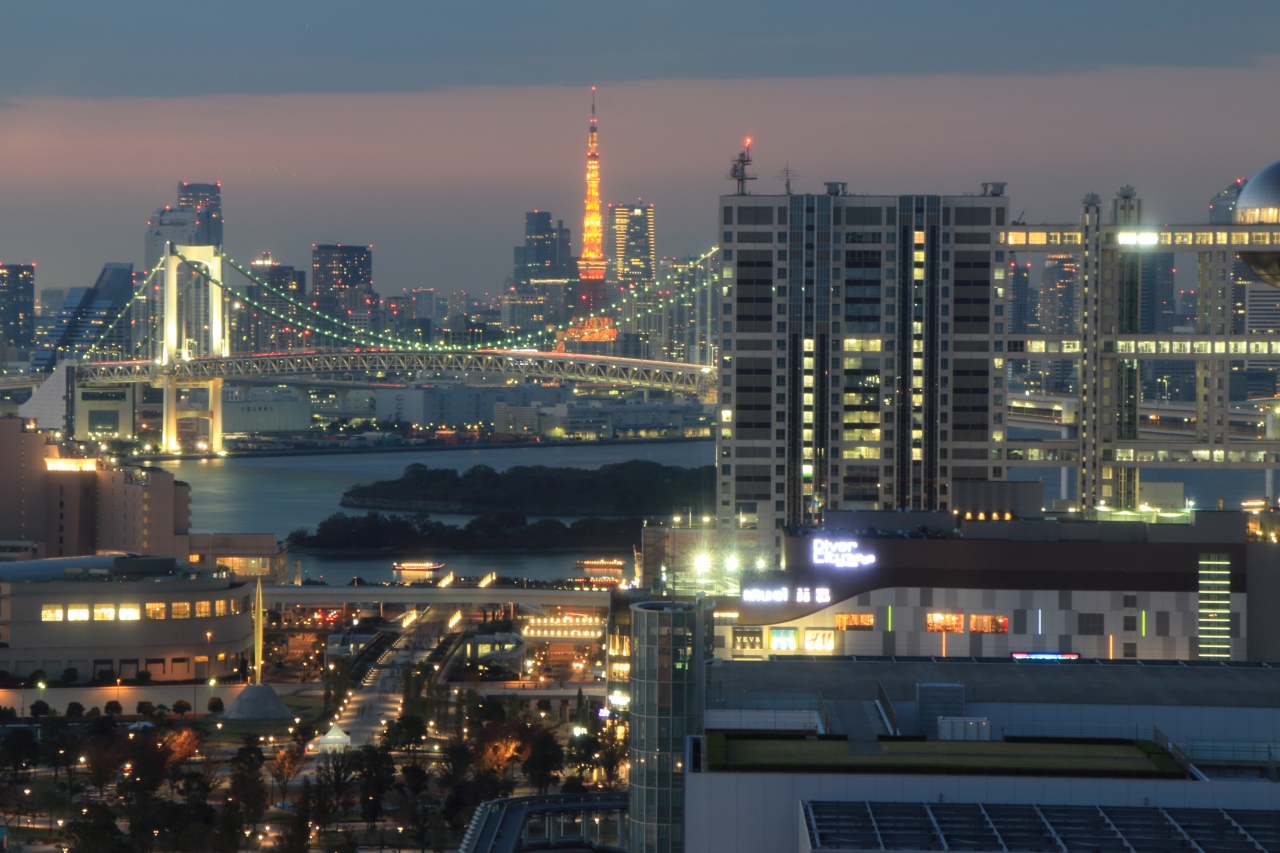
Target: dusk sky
(428,129)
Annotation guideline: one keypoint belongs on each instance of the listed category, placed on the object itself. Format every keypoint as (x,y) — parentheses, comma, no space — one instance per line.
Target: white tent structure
(333,740)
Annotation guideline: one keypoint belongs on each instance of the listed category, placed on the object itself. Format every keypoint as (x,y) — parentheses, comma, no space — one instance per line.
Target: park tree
(376,773)
(285,766)
(247,787)
(112,708)
(546,758)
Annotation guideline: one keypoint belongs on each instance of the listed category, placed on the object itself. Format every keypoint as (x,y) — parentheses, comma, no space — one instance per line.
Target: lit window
(817,640)
(181,610)
(77,613)
(204,609)
(987,624)
(222,655)
(202,658)
(155,609)
(220,607)
(104,612)
(855,621)
(130,613)
(51,613)
(944,623)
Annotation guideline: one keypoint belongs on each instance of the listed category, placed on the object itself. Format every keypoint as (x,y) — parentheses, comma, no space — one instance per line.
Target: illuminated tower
(591,266)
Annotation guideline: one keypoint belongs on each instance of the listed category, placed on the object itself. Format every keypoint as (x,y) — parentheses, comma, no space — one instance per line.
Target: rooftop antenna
(738,168)
(787,174)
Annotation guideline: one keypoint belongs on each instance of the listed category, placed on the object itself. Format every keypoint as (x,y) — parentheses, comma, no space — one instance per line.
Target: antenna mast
(738,168)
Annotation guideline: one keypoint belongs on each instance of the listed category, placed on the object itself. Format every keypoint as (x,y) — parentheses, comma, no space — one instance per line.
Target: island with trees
(376,533)
(635,488)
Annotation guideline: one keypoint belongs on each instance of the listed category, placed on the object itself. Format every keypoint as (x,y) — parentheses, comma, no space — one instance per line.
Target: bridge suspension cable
(138,291)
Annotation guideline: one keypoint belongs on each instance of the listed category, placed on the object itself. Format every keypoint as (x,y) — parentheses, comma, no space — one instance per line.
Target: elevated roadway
(441,597)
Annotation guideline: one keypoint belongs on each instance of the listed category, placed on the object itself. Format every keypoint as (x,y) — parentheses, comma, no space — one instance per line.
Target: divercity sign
(841,553)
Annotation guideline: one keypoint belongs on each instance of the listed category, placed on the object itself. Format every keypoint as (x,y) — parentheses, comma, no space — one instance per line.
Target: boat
(600,570)
(416,570)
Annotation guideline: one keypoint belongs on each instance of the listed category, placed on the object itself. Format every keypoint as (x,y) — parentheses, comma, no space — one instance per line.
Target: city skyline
(437,200)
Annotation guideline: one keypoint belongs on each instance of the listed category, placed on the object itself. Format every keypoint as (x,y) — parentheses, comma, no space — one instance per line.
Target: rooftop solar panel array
(855,826)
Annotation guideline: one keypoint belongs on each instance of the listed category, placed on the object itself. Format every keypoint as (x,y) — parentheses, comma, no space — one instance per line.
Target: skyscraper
(274,327)
(545,253)
(635,257)
(855,353)
(17,305)
(91,317)
(592,264)
(1056,309)
(1157,310)
(1022,301)
(206,201)
(341,278)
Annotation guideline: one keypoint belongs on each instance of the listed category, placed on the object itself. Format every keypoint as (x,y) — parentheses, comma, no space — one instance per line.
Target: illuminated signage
(843,554)
(762,595)
(822,595)
(819,640)
(1044,656)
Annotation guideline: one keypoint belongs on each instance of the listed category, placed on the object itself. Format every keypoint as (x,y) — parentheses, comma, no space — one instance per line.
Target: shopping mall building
(929,584)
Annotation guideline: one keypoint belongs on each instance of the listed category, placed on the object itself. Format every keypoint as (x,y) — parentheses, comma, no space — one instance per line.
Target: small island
(635,488)
(375,533)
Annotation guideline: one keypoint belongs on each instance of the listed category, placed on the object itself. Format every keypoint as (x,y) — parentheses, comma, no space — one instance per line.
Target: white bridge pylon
(176,347)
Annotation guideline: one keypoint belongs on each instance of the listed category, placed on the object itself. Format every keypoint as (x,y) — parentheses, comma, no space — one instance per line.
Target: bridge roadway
(560,367)
(451,595)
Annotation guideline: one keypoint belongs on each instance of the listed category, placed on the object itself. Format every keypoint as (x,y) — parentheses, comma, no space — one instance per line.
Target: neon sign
(1045,656)
(782,593)
(841,554)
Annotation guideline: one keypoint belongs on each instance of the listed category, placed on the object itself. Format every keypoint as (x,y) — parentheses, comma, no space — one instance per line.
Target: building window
(220,607)
(944,623)
(782,639)
(155,609)
(855,621)
(1131,650)
(222,655)
(77,613)
(202,658)
(1130,602)
(204,609)
(51,613)
(1090,625)
(130,613)
(819,640)
(1131,623)
(104,613)
(987,624)
(181,610)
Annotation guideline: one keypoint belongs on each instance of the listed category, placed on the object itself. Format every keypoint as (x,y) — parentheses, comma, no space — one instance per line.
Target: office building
(342,279)
(91,318)
(671,644)
(274,326)
(521,313)
(635,254)
(546,252)
(17,306)
(50,301)
(1056,309)
(206,201)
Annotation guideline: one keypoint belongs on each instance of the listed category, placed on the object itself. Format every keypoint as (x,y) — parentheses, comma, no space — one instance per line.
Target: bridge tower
(215,340)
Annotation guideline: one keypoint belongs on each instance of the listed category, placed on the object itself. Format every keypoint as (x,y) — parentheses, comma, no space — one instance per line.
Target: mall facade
(930,584)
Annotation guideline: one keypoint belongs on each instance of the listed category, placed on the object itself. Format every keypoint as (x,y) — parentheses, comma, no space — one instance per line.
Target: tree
(215,705)
(376,772)
(303,733)
(75,710)
(39,708)
(145,708)
(19,752)
(285,766)
(335,771)
(70,675)
(95,831)
(582,752)
(455,764)
(247,787)
(573,785)
(112,708)
(103,762)
(182,707)
(546,757)
(498,746)
(296,837)
(613,752)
